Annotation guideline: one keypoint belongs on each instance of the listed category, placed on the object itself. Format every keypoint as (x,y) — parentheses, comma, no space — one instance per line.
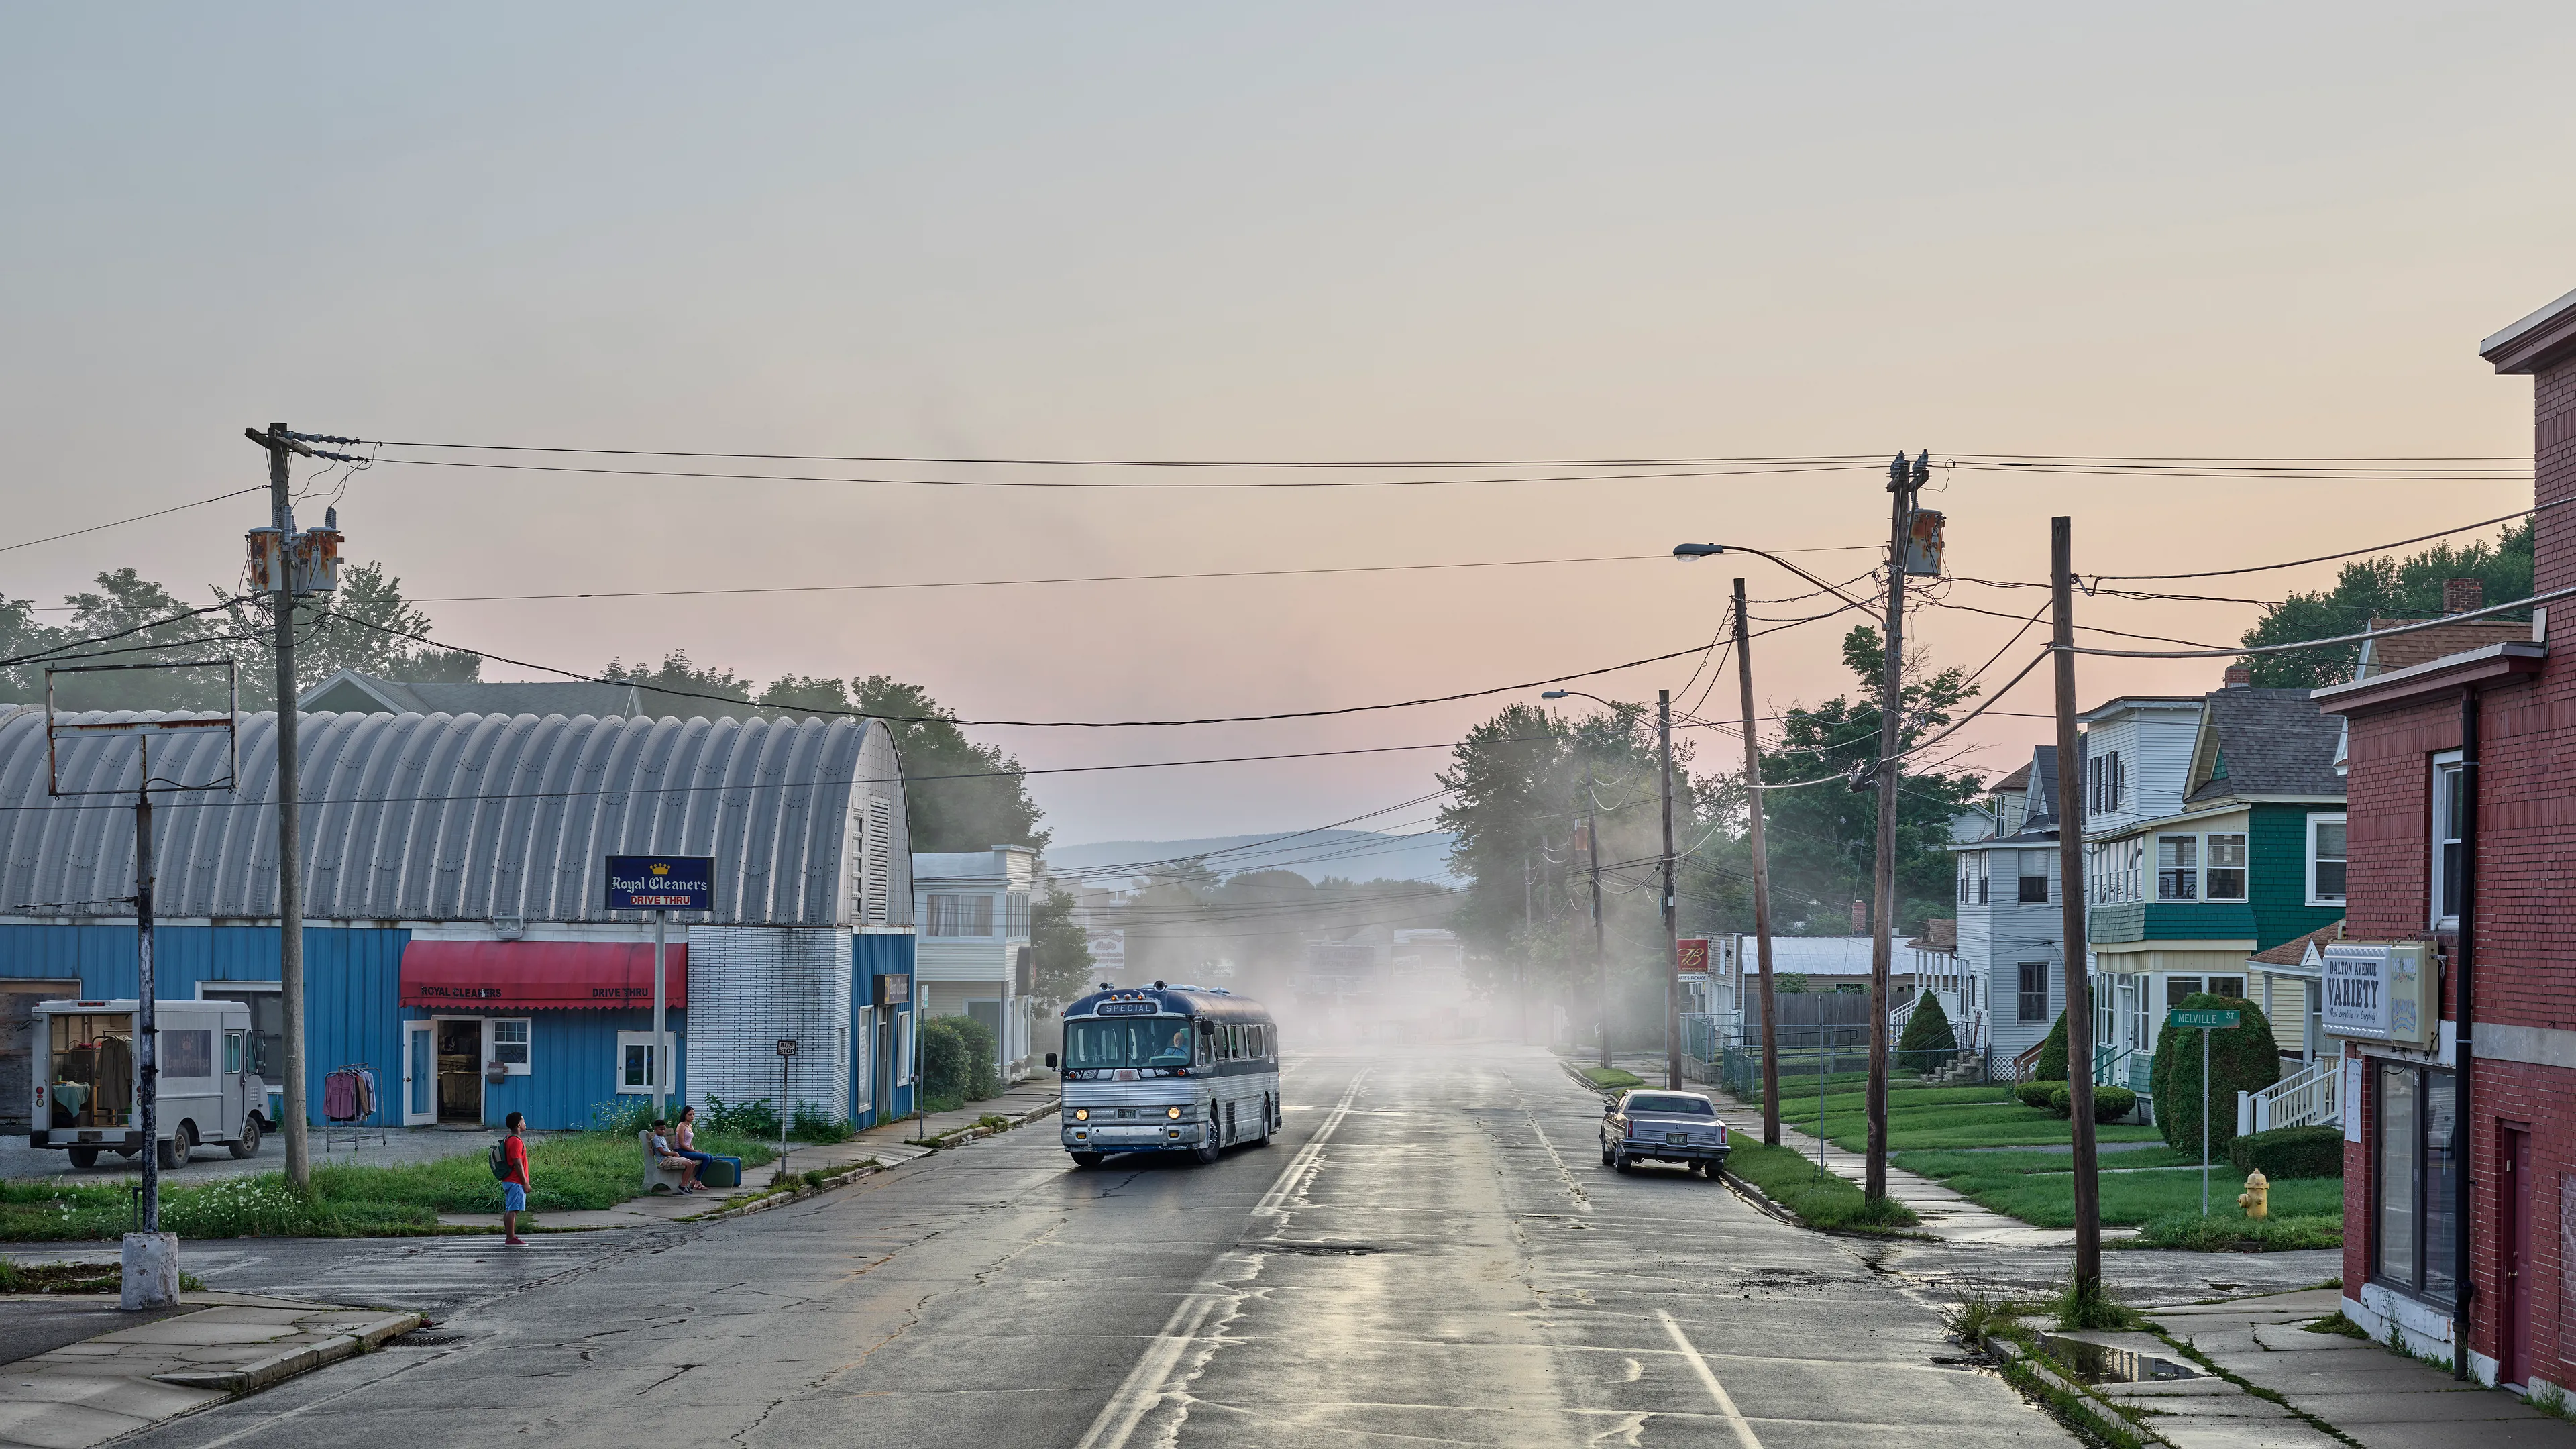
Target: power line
(2332,557)
(137,518)
(2243,650)
(1131,485)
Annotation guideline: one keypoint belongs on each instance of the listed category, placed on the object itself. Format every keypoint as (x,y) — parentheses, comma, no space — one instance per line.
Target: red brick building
(2462,837)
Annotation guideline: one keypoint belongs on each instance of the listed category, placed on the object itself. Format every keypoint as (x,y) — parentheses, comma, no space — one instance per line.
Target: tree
(1824,838)
(961,795)
(1060,963)
(1928,1044)
(677,686)
(2243,1058)
(2051,1066)
(2407,588)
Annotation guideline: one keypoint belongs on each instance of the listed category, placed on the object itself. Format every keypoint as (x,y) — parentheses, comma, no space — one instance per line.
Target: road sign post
(661,884)
(2206,1021)
(786,1049)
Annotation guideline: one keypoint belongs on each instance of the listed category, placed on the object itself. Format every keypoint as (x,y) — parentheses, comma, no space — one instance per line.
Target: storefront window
(2414,1180)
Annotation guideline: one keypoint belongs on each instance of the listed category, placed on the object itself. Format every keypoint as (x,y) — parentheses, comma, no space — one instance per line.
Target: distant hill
(1351,854)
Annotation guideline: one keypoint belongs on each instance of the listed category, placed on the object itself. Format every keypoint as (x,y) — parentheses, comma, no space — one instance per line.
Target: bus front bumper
(1135,1137)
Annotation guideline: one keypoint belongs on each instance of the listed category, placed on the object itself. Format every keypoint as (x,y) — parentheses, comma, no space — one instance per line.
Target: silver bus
(1168,1069)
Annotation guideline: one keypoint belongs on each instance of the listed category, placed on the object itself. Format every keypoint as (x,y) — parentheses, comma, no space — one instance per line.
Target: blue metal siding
(872,956)
(573,1064)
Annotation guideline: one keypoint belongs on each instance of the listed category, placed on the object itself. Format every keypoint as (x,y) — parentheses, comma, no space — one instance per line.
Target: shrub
(2038,1094)
(2290,1152)
(741,1119)
(1928,1044)
(2052,1053)
(622,1118)
(983,1058)
(944,1059)
(813,1125)
(2244,1059)
(2110,1104)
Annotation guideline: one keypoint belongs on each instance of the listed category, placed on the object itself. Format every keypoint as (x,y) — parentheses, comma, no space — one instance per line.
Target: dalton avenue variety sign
(661,883)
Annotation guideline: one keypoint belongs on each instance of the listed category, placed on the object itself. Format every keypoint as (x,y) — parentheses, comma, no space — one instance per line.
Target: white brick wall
(751,985)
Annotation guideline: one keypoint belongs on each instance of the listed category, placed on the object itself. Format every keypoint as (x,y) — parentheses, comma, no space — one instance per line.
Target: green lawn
(1920,1118)
(2163,1197)
(1951,1164)
(584,1170)
(1612,1078)
(1823,1199)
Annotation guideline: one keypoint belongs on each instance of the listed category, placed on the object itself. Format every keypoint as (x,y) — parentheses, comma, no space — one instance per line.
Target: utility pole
(2070,892)
(1672,922)
(290,857)
(147,1040)
(1529,932)
(1600,958)
(1902,479)
(1761,880)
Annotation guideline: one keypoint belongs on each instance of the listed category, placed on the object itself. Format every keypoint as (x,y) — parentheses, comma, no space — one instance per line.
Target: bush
(2052,1054)
(2244,1059)
(812,1125)
(1928,1044)
(2110,1104)
(983,1058)
(944,1059)
(741,1119)
(2290,1152)
(2038,1094)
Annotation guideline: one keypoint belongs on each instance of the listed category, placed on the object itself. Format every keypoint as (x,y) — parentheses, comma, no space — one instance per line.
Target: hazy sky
(1249,232)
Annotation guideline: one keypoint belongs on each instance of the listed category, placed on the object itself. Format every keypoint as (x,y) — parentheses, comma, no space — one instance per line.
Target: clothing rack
(353,1106)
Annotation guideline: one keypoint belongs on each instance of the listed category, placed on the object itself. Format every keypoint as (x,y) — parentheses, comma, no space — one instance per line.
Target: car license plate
(1677,1137)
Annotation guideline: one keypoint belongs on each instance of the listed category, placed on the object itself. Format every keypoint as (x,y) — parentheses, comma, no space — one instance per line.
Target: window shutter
(875,861)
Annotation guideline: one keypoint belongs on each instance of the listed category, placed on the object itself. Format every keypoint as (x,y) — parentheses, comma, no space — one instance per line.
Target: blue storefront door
(420,1073)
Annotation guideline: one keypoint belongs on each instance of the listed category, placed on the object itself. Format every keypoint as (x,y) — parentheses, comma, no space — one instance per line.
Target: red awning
(539,975)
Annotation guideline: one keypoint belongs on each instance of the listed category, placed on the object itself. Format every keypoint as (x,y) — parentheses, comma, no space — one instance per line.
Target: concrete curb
(301,1359)
(965,1135)
(842,1178)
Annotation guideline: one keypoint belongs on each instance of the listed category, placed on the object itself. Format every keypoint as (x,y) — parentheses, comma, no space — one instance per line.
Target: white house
(973,910)
(2012,975)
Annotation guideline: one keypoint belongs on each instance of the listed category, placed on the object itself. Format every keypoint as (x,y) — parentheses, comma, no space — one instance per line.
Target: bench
(656,1176)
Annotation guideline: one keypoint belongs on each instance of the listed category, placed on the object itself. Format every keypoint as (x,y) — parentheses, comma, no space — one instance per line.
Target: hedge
(2036,1094)
(2290,1152)
(2243,1059)
(2052,1054)
(1928,1044)
(2110,1104)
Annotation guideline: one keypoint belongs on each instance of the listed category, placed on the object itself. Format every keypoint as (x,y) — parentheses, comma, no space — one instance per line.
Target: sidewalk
(228,1343)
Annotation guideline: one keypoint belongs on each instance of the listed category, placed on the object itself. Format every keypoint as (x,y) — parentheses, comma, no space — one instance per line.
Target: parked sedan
(1663,1127)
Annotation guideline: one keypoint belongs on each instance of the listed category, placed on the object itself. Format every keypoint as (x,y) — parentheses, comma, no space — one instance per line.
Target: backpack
(500,1159)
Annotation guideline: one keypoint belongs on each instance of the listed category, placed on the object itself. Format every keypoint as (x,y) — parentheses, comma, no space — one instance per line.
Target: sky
(1265,232)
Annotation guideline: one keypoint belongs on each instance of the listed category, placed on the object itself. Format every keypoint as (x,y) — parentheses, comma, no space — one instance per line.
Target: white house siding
(1995,938)
(2154,738)
(750,986)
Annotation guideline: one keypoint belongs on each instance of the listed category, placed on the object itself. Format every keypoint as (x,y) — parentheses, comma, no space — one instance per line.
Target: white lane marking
(1149,1383)
(1310,1156)
(1708,1380)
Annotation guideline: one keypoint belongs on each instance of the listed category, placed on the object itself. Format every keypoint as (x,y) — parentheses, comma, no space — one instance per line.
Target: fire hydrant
(2257,1197)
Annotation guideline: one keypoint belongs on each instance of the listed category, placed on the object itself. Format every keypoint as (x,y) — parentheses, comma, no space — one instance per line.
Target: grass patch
(2080,1308)
(2077,1412)
(584,1170)
(2233,1233)
(2336,1323)
(1950,1164)
(2551,1400)
(1927,1118)
(1824,1200)
(1612,1078)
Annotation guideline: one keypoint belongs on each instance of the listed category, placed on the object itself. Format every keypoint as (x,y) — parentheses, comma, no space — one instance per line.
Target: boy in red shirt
(514,1181)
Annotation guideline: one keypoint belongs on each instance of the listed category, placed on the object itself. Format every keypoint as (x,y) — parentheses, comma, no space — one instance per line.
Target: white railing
(1898,1017)
(2307,1098)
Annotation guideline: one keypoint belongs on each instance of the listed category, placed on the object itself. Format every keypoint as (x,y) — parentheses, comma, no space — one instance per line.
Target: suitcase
(722,1172)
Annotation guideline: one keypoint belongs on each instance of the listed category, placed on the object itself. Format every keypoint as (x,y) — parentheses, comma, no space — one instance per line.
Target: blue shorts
(514,1198)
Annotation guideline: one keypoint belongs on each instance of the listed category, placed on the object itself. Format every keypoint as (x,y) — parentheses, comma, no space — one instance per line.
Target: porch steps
(1967,1066)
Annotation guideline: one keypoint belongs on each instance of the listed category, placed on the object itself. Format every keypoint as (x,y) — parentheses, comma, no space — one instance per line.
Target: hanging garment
(340,1097)
(366,1092)
(115,1082)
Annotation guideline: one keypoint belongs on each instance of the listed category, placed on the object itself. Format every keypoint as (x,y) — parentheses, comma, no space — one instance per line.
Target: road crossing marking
(1708,1380)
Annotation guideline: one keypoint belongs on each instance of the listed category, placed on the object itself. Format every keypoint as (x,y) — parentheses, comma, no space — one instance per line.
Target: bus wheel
(1204,1153)
(1087,1159)
(1264,1139)
(84,1157)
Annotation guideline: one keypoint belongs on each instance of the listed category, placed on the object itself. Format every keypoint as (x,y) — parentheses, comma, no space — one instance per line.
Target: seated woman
(664,1155)
(684,1142)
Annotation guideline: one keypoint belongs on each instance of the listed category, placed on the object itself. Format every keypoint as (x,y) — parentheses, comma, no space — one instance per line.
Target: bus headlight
(1082,1114)
(1172,1112)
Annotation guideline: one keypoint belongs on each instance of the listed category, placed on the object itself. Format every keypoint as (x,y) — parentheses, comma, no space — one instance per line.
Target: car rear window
(1686,1106)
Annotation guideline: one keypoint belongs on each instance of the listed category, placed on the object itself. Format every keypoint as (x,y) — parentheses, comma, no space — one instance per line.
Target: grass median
(573,1172)
(1821,1198)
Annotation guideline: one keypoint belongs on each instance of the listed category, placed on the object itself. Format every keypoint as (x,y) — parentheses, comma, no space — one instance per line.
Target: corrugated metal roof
(459,817)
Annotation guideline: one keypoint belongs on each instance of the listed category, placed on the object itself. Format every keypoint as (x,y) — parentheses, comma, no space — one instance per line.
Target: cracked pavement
(1430,1252)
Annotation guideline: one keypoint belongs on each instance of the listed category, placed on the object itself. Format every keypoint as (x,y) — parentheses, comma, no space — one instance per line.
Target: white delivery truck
(82,1055)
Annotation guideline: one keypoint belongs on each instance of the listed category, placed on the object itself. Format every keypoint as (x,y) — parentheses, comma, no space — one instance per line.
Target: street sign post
(661,884)
(2206,1020)
(786,1049)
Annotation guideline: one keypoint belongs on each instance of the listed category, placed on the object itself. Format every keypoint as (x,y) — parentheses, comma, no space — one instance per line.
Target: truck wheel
(248,1145)
(84,1157)
(174,1149)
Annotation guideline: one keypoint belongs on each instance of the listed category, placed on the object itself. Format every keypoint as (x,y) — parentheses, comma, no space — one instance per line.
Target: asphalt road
(1431,1253)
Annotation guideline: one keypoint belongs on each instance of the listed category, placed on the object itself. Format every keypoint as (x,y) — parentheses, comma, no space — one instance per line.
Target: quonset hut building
(456,943)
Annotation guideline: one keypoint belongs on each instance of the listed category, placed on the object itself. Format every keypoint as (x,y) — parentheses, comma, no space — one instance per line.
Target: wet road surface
(1430,1254)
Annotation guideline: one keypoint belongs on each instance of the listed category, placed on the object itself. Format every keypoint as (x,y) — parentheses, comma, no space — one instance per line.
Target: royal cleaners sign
(661,883)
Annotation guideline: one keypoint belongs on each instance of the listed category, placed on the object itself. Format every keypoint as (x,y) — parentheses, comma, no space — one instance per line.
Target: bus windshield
(1152,1041)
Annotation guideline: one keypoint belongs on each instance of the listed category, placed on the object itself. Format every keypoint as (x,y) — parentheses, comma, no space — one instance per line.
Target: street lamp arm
(1704,550)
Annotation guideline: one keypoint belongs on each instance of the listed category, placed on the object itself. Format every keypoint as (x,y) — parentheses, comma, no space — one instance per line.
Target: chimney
(1860,917)
(2239,675)
(2459,596)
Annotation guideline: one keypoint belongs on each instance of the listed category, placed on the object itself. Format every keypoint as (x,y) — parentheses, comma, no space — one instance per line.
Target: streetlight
(1592,846)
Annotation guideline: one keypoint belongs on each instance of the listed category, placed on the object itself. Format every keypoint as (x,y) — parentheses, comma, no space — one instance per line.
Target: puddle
(2096,1363)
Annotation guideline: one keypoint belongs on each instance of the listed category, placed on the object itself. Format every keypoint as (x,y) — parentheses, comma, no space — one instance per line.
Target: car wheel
(1619,1161)
(248,1144)
(173,1150)
(1088,1159)
(84,1157)
(1605,1154)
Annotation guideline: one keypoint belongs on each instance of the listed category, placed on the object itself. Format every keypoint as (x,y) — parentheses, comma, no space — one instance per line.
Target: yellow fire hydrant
(2257,1197)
